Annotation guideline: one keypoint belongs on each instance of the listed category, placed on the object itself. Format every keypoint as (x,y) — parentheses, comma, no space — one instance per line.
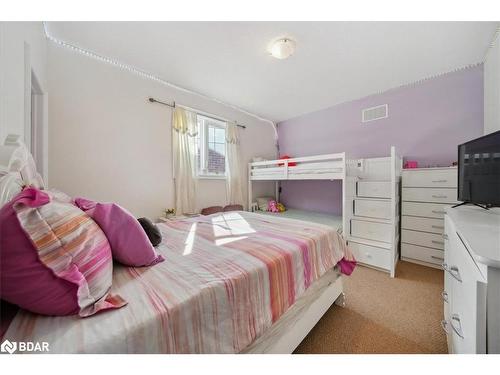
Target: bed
(232,282)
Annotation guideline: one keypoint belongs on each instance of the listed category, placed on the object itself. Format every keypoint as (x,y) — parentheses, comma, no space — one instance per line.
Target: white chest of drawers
(472,280)
(426,193)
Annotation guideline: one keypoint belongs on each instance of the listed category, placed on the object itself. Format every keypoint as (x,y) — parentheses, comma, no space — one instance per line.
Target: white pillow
(15,157)
(11,184)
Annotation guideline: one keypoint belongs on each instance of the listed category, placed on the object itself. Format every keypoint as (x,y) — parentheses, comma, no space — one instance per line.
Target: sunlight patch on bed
(230,224)
(188,248)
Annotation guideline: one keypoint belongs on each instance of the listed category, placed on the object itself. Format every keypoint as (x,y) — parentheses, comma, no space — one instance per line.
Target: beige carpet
(384,315)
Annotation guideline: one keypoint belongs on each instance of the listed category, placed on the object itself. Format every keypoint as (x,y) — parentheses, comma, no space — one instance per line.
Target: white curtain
(234,180)
(184,131)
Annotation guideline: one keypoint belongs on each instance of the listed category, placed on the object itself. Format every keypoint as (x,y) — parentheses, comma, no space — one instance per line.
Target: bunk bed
(370,200)
(317,167)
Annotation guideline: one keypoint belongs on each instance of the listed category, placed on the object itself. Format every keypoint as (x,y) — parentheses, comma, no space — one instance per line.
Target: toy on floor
(273,206)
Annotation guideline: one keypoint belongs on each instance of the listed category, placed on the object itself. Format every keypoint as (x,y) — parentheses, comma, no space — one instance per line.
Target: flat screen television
(479,171)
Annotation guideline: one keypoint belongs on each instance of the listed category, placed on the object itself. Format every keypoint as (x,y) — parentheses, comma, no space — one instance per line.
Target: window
(211,147)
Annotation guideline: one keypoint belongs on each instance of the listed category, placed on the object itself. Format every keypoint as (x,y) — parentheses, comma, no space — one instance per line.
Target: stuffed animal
(274,206)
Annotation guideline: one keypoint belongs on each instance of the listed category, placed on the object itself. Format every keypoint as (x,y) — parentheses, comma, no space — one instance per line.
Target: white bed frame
(284,339)
(292,327)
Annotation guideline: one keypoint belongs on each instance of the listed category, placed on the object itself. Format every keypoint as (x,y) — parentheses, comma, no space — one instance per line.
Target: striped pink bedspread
(226,279)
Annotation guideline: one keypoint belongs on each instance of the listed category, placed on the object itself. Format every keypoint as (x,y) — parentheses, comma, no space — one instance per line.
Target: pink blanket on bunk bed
(226,278)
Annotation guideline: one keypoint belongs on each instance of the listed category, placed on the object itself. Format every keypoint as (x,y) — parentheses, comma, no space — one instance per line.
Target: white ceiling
(334,61)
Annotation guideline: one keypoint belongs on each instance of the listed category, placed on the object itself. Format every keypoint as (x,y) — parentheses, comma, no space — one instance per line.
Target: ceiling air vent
(375,113)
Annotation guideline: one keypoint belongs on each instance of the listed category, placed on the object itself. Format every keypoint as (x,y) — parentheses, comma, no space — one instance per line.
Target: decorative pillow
(263,202)
(129,243)
(151,230)
(233,207)
(211,210)
(54,260)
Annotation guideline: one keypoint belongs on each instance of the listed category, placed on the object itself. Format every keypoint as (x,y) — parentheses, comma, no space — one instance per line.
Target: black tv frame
(486,206)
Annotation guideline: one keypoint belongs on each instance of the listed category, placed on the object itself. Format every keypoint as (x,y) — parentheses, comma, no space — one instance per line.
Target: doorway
(35,138)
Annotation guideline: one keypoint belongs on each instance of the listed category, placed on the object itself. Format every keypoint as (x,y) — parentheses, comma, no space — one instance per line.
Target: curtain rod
(173,105)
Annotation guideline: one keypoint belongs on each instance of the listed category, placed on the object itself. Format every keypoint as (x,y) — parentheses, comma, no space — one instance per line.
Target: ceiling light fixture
(283,48)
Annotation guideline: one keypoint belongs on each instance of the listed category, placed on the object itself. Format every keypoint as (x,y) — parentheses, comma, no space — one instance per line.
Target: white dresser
(472,280)
(426,193)
(372,197)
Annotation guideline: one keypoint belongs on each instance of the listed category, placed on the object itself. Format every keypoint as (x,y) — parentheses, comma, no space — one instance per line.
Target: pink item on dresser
(129,242)
(54,260)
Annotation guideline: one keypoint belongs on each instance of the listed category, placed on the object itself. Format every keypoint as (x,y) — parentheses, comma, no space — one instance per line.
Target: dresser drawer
(371,255)
(423,254)
(467,311)
(436,195)
(371,231)
(430,178)
(433,210)
(374,189)
(372,208)
(423,224)
(422,239)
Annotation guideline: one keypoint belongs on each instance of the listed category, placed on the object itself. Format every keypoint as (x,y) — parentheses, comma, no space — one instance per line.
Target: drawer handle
(439,196)
(438,181)
(444,326)
(457,330)
(445,296)
(453,271)
(437,258)
(437,226)
(437,242)
(438,211)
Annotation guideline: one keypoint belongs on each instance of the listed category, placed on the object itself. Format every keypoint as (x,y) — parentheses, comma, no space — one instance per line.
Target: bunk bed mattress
(225,280)
(309,216)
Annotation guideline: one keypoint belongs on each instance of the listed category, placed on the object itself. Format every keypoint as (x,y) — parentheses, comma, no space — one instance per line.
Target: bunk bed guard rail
(324,167)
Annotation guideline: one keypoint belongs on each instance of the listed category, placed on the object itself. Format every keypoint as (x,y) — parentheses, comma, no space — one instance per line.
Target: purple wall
(426,123)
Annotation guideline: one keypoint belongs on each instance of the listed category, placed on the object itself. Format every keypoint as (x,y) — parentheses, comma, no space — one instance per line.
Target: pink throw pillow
(129,242)
(54,260)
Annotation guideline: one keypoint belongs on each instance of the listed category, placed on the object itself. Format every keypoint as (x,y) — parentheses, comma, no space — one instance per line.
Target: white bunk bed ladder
(372,211)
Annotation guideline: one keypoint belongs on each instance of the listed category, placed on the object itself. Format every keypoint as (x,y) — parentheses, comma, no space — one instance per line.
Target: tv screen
(479,170)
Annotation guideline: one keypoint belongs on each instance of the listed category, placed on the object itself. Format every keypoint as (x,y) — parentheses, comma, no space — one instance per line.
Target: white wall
(492,89)
(23,48)
(108,143)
